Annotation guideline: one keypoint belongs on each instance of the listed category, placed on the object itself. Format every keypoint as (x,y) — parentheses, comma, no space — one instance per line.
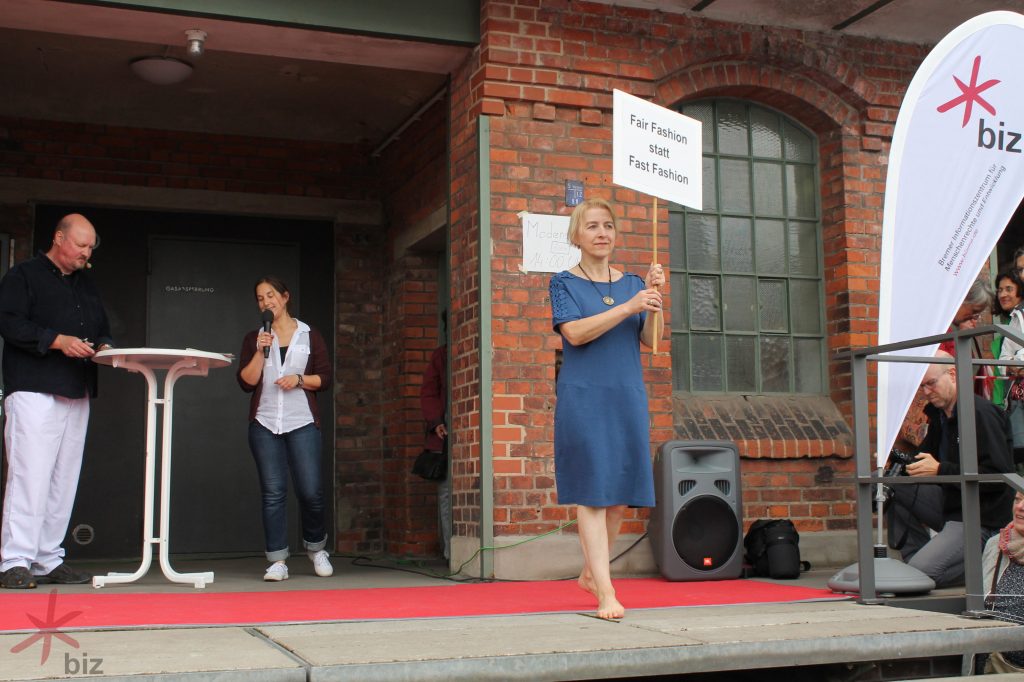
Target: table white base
(178,363)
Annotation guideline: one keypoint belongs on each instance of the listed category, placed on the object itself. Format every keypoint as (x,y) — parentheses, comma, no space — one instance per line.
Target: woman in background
(1003,574)
(977,302)
(284,425)
(602,428)
(1009,294)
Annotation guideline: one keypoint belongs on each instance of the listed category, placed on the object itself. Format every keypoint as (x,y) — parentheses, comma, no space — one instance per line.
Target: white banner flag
(955,177)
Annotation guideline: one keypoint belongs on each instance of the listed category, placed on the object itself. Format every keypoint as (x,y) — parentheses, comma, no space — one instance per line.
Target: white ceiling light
(161,70)
(194,42)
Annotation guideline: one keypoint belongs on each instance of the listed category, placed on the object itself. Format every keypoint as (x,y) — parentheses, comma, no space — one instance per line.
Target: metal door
(201,296)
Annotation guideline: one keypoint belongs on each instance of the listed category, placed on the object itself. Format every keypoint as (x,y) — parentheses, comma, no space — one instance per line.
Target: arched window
(747,312)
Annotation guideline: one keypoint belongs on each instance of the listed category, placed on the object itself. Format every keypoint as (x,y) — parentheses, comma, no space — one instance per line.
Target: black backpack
(773,549)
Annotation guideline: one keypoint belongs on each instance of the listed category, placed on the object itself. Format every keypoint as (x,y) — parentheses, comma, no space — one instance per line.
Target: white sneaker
(321,563)
(277,572)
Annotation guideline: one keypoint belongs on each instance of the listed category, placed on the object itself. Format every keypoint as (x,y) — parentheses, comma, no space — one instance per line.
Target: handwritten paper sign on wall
(546,246)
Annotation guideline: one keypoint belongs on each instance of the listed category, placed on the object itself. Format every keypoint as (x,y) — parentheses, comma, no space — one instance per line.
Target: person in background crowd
(1009,295)
(284,425)
(434,404)
(1002,567)
(916,508)
(1010,291)
(602,427)
(977,301)
(52,321)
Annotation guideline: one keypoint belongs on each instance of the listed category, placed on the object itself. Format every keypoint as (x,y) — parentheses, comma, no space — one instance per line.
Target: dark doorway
(1012,238)
(178,280)
(200,297)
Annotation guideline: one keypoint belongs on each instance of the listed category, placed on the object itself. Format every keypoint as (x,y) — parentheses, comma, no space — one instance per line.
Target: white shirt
(281,411)
(1010,350)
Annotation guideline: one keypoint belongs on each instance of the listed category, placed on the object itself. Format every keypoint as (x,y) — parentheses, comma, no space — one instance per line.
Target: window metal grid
(747,289)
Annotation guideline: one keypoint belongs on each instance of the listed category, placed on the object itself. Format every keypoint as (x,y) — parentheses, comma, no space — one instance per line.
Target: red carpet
(110,610)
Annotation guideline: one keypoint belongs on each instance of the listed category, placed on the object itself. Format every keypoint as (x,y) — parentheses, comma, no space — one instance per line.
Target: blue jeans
(275,455)
(444,514)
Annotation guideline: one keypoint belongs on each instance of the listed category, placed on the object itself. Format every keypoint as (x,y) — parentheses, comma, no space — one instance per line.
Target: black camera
(896,465)
(898,462)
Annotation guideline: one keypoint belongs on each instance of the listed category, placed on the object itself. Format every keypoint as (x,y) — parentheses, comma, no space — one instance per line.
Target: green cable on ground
(423,570)
(418,563)
(514,544)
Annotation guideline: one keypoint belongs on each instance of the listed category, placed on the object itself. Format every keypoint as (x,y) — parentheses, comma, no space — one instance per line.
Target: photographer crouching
(914,509)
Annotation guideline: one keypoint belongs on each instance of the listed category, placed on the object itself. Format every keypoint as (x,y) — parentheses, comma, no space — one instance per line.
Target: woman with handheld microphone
(283,365)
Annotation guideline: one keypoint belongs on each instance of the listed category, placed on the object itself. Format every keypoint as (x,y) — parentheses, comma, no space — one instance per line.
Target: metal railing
(868,476)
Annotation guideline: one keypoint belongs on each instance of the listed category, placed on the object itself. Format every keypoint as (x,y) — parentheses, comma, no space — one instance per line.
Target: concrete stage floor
(665,642)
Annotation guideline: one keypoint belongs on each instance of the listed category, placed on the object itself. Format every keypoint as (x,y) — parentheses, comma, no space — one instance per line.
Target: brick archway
(803,99)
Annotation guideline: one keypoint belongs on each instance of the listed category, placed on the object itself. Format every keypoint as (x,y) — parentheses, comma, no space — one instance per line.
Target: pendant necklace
(608,300)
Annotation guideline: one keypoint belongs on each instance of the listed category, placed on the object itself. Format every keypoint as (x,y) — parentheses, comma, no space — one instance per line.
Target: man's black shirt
(38,302)
(995,455)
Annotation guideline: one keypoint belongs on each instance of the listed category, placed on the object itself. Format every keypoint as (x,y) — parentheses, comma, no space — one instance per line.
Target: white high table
(178,363)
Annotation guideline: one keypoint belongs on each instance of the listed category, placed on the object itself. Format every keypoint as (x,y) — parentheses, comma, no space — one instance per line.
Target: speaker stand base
(891,577)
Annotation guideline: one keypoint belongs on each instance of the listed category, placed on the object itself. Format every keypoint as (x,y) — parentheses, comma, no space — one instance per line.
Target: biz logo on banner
(1001,139)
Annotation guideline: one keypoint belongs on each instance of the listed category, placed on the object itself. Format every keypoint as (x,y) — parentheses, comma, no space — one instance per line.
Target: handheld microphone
(88,265)
(268,318)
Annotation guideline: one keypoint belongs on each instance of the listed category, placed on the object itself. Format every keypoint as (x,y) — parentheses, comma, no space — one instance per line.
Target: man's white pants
(45,437)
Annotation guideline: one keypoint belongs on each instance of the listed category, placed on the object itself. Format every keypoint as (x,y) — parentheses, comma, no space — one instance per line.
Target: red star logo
(969,94)
(48,629)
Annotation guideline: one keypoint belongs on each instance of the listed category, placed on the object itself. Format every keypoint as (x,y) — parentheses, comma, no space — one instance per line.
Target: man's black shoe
(17,578)
(64,575)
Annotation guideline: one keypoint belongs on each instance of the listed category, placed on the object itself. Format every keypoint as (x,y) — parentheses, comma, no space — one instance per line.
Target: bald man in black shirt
(52,322)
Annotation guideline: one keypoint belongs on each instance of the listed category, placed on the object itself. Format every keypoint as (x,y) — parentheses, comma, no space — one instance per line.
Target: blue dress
(602,429)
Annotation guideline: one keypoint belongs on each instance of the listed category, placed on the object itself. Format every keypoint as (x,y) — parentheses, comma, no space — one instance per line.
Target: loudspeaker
(696,530)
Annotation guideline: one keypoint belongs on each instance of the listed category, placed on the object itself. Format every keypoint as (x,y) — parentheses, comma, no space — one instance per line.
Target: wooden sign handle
(654,259)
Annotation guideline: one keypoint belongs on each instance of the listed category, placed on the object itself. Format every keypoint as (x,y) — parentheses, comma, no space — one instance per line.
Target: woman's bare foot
(586,582)
(609,608)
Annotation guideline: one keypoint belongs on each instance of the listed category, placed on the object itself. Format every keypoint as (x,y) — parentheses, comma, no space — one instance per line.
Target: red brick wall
(544,73)
(81,152)
(465,447)
(412,173)
(409,502)
(804,490)
(359,401)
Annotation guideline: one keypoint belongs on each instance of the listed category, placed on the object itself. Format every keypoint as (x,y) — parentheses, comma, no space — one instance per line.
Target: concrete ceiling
(70,61)
(909,21)
(904,20)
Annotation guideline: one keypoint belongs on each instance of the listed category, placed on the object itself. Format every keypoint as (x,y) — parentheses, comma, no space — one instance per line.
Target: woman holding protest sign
(602,427)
